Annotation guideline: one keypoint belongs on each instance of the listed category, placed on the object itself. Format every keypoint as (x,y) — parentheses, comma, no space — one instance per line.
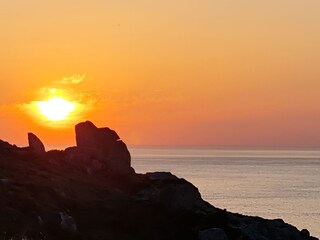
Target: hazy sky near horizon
(237,72)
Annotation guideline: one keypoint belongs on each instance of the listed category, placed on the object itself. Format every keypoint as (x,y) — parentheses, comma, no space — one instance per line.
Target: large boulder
(168,190)
(35,144)
(103,148)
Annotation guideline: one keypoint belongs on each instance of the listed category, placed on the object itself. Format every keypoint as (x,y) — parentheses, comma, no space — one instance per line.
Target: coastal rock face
(50,196)
(104,149)
(35,144)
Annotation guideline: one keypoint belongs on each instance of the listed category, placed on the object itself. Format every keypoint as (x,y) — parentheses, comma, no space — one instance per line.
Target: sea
(258,182)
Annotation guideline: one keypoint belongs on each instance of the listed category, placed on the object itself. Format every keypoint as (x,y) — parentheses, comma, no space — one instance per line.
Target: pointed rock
(35,144)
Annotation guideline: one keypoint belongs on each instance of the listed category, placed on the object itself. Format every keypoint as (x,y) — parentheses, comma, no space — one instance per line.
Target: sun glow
(56,108)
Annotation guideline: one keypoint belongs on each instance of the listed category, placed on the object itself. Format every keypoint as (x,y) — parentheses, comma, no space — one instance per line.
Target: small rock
(67,222)
(305,233)
(35,144)
(40,220)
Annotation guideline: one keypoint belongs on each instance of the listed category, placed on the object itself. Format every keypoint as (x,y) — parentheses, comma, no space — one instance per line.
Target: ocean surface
(268,183)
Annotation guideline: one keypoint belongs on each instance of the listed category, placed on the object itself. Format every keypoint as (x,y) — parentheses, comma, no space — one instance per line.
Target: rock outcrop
(83,193)
(104,149)
(35,144)
(6,147)
(178,193)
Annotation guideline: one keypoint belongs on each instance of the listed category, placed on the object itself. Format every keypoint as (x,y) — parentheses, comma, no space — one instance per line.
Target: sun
(56,108)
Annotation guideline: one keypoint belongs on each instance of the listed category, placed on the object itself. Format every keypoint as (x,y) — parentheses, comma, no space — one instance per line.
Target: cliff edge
(90,191)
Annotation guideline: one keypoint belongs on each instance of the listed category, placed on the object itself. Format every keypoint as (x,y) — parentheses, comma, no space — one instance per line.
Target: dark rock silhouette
(183,195)
(213,234)
(35,144)
(6,147)
(83,193)
(104,149)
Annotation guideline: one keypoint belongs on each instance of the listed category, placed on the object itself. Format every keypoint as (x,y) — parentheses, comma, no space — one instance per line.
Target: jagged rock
(4,144)
(6,147)
(103,148)
(258,228)
(213,234)
(54,199)
(89,136)
(84,160)
(35,144)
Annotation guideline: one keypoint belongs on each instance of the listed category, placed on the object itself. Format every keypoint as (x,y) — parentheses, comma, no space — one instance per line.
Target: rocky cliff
(90,191)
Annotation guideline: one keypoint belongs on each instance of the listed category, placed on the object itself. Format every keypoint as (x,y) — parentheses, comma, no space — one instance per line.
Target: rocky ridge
(90,191)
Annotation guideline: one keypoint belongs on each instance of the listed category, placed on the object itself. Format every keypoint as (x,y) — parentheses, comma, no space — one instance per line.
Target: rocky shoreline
(90,191)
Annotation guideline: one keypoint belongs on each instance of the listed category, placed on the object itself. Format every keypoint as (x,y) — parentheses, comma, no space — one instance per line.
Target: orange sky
(236,73)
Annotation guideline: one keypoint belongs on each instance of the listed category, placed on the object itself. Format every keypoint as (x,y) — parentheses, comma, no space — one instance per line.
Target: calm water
(269,183)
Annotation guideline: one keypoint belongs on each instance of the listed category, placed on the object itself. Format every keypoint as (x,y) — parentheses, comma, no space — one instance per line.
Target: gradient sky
(202,72)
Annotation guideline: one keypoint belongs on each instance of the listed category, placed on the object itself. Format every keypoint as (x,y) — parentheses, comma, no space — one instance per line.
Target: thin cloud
(72,80)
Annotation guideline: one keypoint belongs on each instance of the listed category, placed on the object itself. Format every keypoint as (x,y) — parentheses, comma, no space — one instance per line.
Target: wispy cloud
(74,79)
